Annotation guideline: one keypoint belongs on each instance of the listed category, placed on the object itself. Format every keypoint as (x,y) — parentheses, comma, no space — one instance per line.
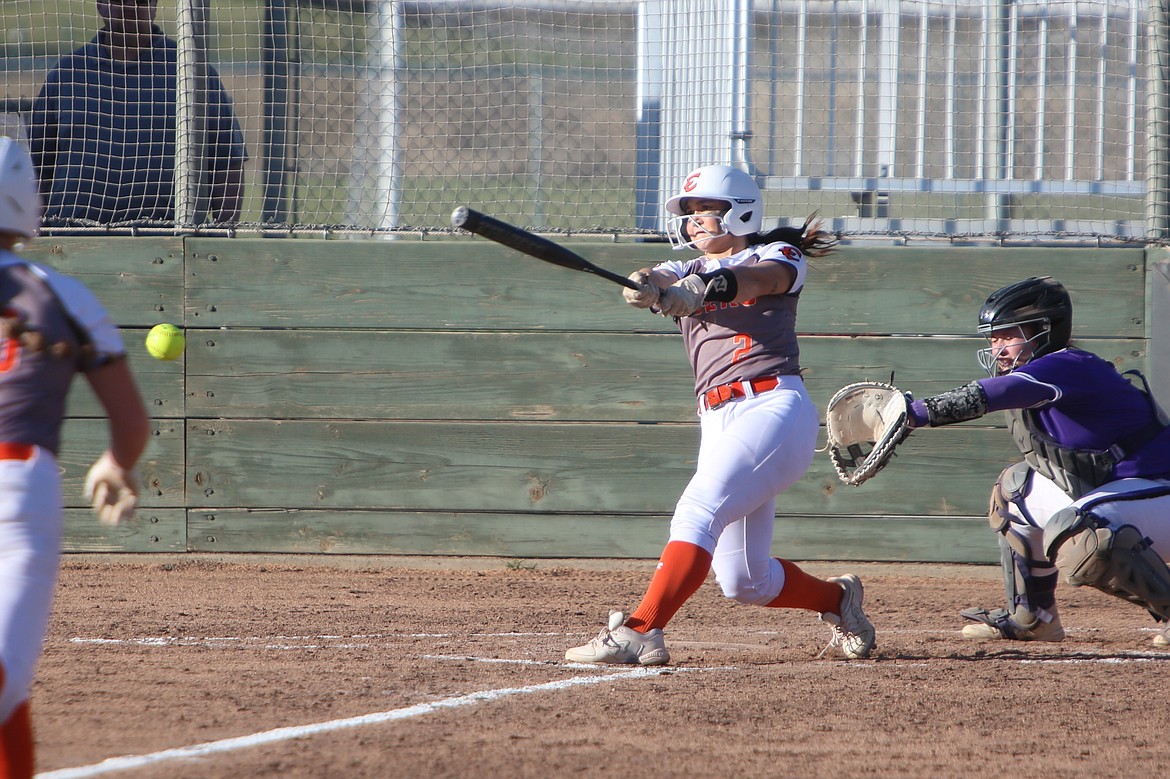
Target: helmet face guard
(989,356)
(676,230)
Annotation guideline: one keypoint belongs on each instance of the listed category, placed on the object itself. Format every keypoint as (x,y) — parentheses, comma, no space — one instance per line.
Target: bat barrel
(489,227)
(464,218)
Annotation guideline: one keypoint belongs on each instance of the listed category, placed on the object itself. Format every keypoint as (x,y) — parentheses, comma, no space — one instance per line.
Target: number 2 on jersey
(745,346)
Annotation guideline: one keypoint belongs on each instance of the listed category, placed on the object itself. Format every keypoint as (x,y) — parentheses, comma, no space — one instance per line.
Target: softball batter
(53,327)
(1091,499)
(736,308)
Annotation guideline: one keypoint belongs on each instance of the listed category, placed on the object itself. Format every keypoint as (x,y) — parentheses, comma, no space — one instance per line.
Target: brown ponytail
(810,237)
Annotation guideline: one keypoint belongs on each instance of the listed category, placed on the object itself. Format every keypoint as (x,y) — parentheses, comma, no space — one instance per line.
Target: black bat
(528,243)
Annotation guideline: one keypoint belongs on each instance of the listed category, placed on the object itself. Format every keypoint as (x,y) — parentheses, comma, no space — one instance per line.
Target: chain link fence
(1036,120)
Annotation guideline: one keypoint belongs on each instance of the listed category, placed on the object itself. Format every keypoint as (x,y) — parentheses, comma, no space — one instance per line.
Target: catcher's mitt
(866,421)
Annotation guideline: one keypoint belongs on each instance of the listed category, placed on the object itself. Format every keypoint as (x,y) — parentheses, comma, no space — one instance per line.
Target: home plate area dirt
(374,667)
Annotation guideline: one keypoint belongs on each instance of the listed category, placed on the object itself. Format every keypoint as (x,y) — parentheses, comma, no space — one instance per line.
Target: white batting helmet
(20,202)
(745,213)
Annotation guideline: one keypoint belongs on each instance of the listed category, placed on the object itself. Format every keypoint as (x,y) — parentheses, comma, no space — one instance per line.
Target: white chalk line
(1120,658)
(127,762)
(505,661)
(364,641)
(285,641)
(552,663)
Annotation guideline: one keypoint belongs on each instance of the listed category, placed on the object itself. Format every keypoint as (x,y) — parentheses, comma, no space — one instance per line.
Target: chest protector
(1076,471)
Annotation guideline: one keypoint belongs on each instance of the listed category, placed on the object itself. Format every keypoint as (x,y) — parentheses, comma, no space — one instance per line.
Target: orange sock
(682,569)
(16,745)
(802,591)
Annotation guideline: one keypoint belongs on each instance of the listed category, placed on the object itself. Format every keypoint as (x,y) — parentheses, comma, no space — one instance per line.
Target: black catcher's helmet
(1040,300)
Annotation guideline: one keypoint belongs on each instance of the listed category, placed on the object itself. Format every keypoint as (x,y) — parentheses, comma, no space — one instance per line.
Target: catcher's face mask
(1010,347)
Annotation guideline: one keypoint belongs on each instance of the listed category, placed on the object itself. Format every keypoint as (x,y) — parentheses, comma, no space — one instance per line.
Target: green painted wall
(447,396)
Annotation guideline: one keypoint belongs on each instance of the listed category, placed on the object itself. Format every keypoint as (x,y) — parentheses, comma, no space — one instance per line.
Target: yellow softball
(165,342)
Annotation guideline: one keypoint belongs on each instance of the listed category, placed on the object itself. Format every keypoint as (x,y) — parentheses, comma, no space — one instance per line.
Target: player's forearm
(116,390)
(771,278)
(958,405)
(980,397)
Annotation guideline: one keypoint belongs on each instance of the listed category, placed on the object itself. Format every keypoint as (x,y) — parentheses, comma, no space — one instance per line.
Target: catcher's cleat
(852,630)
(1161,638)
(617,643)
(999,625)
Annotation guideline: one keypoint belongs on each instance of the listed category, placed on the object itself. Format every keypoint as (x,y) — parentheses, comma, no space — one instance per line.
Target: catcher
(1091,498)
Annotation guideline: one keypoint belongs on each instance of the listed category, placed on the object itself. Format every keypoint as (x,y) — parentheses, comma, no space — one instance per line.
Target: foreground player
(53,327)
(1092,498)
(736,307)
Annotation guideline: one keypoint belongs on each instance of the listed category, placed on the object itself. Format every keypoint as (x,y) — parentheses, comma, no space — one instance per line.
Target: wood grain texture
(386,374)
(453,397)
(160,471)
(139,280)
(953,539)
(161,384)
(151,530)
(477,285)
(547,467)
(938,291)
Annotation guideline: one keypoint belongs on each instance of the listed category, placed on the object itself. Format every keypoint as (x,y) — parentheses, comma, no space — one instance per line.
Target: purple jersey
(34,383)
(735,341)
(1082,402)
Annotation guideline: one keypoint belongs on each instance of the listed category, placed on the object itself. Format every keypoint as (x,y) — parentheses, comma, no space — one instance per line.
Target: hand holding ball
(165,342)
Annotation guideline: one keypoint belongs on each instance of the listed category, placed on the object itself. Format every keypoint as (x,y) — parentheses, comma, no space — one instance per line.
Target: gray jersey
(735,341)
(49,318)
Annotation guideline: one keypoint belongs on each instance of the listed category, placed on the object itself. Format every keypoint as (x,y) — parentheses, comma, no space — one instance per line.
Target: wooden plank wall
(449,397)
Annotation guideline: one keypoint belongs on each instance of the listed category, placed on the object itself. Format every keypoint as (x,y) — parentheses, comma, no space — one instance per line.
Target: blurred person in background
(102,129)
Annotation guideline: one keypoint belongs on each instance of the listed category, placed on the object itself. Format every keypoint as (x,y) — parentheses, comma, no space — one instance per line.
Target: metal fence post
(191,196)
(281,93)
(648,151)
(376,170)
(1158,122)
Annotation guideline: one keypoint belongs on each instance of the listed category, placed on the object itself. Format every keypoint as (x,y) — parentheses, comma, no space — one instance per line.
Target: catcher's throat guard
(866,421)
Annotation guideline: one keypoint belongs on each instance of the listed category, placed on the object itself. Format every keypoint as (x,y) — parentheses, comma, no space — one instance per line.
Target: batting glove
(646,295)
(111,490)
(684,297)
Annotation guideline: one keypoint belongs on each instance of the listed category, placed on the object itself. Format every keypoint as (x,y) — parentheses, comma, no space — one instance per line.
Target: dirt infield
(454,669)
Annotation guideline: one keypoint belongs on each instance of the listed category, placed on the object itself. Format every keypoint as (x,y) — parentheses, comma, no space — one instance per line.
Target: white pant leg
(30,541)
(752,450)
(1042,500)
(743,564)
(1143,503)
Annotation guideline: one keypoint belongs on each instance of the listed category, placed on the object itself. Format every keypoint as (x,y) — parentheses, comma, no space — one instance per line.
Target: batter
(736,307)
(52,328)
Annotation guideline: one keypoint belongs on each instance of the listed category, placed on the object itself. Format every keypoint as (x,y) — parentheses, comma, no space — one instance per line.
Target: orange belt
(717,396)
(16,451)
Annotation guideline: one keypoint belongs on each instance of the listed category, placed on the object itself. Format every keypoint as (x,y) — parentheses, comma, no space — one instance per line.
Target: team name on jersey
(711,307)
